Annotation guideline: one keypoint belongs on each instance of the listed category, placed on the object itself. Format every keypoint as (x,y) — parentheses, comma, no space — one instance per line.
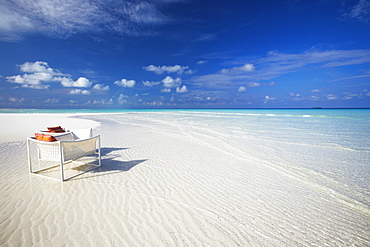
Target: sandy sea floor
(166,182)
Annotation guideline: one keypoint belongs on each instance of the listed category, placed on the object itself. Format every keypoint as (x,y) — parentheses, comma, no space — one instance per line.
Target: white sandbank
(16,127)
(166,182)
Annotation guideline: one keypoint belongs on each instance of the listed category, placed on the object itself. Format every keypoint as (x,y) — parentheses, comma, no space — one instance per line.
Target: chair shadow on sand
(110,164)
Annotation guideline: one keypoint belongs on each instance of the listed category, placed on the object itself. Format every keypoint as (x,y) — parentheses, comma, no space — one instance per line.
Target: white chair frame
(64,152)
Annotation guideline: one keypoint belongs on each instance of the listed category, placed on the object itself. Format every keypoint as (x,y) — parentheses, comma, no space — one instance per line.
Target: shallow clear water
(330,146)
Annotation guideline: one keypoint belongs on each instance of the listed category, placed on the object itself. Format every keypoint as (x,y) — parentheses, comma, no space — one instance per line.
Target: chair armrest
(46,150)
(33,139)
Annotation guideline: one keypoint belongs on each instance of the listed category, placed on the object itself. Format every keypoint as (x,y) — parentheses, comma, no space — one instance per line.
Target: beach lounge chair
(71,148)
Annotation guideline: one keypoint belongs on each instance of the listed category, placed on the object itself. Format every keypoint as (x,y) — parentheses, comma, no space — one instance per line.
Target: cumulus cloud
(51,101)
(34,81)
(315,90)
(36,76)
(101,87)
(16,100)
(125,83)
(183,89)
(254,84)
(170,82)
(79,91)
(315,98)
(168,69)
(348,95)
(37,67)
(331,97)
(295,94)
(39,75)
(101,102)
(166,90)
(122,99)
(268,98)
(65,18)
(151,83)
(270,84)
(202,62)
(242,69)
(68,82)
(242,89)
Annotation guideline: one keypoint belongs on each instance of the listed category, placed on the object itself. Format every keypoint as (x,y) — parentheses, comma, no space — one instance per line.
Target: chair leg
(61,163)
(29,156)
(99,150)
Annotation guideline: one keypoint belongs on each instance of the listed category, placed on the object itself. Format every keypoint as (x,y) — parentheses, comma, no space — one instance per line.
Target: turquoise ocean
(330,145)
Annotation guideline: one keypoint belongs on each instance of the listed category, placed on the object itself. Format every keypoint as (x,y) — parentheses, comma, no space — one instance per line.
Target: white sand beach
(168,181)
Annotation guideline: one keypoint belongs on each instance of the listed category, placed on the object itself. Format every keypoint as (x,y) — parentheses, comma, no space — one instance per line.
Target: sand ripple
(166,182)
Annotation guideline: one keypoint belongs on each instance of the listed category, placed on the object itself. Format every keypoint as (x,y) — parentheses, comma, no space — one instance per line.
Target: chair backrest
(82,133)
(77,149)
(67,136)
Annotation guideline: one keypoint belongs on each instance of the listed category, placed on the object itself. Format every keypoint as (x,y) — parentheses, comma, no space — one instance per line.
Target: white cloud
(168,69)
(171,82)
(254,84)
(82,82)
(101,102)
(79,91)
(270,84)
(68,82)
(183,89)
(65,18)
(122,99)
(125,83)
(205,37)
(34,81)
(16,100)
(51,101)
(242,89)
(151,83)
(315,90)
(101,87)
(360,11)
(268,98)
(143,12)
(295,94)
(202,62)
(350,95)
(166,90)
(38,75)
(313,97)
(277,64)
(12,24)
(353,77)
(331,97)
(237,70)
(368,94)
(38,66)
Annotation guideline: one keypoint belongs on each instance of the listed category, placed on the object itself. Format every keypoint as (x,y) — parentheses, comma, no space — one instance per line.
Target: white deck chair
(69,148)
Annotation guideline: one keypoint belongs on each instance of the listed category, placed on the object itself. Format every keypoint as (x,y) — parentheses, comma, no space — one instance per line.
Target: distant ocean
(287,112)
(330,146)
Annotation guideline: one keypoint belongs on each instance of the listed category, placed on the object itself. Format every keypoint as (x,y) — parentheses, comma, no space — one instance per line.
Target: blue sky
(184,53)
